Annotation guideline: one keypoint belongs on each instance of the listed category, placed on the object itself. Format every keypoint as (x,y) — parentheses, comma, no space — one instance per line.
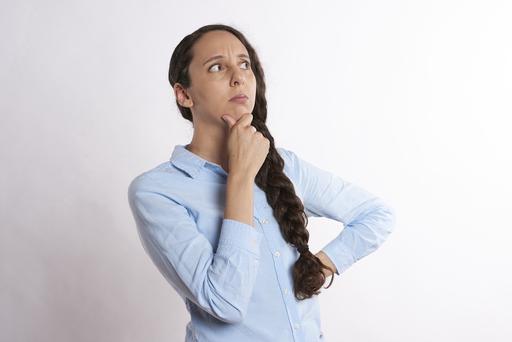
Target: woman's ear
(182,96)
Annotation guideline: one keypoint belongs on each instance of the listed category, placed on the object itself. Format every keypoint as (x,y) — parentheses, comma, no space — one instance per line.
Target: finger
(228,119)
(245,120)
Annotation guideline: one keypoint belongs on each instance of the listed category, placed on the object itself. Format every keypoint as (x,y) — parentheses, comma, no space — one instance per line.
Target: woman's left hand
(327,262)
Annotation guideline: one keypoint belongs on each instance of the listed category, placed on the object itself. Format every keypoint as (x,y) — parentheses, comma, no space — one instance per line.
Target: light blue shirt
(236,279)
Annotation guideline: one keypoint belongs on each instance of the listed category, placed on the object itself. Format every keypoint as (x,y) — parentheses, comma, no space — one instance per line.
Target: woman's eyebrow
(221,56)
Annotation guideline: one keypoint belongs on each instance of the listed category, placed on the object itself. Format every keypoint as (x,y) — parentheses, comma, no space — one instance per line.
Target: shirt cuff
(340,256)
(240,235)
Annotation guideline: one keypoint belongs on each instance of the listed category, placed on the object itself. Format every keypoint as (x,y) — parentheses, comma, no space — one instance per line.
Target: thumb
(228,120)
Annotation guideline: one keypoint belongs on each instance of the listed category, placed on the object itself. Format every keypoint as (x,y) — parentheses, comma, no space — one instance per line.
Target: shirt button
(296,326)
(264,221)
(276,253)
(286,291)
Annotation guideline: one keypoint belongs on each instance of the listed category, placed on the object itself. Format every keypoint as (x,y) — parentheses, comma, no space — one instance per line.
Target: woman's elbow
(388,218)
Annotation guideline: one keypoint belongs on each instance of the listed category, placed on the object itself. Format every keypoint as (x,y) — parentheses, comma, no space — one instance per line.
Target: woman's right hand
(247,148)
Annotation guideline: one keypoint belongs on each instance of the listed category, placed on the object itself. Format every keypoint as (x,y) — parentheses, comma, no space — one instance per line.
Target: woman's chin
(241,108)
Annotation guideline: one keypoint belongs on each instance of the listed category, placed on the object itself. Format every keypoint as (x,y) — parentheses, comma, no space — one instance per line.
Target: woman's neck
(214,153)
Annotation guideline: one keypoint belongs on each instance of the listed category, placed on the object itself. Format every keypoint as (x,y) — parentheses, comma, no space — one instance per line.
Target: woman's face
(220,69)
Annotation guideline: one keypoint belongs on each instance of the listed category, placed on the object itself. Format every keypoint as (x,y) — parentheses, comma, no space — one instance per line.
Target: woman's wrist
(327,262)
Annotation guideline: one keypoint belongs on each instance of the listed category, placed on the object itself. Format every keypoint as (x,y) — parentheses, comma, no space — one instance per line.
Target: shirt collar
(191,163)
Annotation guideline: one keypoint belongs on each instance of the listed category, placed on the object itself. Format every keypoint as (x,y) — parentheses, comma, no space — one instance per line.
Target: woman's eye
(244,62)
(213,66)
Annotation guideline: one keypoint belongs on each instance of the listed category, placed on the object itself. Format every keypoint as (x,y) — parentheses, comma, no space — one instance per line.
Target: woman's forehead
(218,43)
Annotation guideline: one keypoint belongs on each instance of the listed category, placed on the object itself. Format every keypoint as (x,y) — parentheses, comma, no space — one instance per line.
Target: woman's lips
(239,99)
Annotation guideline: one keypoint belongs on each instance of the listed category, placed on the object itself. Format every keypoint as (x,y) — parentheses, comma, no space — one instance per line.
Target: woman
(225,219)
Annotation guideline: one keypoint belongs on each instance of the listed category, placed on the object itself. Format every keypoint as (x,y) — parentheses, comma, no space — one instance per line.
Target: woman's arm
(239,198)
(368,220)
(221,283)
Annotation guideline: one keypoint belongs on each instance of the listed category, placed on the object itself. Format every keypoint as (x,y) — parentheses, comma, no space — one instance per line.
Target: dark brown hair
(287,207)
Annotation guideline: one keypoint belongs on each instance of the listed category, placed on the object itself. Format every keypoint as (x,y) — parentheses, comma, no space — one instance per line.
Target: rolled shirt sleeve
(368,219)
(221,283)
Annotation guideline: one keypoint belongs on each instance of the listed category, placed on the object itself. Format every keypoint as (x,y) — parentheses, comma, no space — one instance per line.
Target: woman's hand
(327,262)
(247,148)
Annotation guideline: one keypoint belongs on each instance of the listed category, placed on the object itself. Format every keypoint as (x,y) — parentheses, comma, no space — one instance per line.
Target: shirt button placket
(277,254)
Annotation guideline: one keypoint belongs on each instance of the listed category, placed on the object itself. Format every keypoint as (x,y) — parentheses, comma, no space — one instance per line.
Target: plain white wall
(410,99)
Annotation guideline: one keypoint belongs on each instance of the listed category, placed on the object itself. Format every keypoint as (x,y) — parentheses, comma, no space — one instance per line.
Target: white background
(409,99)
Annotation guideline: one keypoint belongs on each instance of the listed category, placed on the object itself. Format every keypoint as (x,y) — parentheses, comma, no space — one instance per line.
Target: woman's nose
(237,78)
